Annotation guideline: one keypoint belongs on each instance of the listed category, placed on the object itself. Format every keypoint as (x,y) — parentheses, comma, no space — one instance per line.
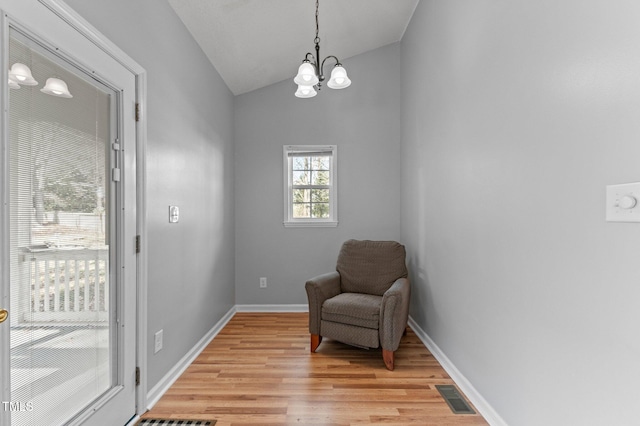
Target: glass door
(65,202)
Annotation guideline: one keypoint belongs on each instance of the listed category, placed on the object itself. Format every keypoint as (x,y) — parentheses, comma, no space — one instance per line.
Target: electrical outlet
(158,342)
(174,214)
(263,282)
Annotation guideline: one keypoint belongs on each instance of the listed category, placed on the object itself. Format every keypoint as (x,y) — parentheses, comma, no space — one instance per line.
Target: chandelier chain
(317,39)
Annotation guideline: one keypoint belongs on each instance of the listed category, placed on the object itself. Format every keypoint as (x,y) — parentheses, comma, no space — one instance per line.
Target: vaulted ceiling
(255,43)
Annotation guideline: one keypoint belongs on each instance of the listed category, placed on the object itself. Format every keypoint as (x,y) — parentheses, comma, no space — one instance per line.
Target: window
(310,185)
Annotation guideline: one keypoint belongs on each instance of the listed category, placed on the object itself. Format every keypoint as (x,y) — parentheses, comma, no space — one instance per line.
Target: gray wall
(515,115)
(364,121)
(189,164)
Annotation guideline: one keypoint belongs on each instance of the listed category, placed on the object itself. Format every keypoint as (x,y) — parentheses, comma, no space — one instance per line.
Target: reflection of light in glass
(21,74)
(56,87)
(13,84)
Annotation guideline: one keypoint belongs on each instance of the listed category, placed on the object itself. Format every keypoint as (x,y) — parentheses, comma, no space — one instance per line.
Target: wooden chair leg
(387,356)
(315,342)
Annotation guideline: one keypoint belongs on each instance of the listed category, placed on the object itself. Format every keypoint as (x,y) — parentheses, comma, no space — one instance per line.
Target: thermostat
(623,202)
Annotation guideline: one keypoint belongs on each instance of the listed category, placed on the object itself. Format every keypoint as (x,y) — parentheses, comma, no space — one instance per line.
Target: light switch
(174,214)
(622,202)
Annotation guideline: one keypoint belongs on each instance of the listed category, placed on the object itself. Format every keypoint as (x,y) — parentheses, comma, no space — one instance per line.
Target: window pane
(301,178)
(310,180)
(301,163)
(301,195)
(320,178)
(320,195)
(320,210)
(301,210)
(320,163)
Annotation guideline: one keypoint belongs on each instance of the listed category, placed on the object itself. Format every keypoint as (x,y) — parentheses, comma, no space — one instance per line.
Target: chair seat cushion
(362,310)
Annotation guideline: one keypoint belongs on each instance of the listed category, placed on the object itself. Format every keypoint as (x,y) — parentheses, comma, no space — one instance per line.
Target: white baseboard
(487,411)
(155,393)
(272,308)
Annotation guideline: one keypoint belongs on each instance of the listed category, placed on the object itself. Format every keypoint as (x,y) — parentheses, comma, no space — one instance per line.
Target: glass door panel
(63,351)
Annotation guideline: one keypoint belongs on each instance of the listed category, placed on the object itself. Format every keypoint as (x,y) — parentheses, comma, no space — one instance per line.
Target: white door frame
(60,8)
(83,27)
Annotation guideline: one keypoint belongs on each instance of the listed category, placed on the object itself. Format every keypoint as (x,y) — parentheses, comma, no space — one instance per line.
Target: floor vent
(456,401)
(175,422)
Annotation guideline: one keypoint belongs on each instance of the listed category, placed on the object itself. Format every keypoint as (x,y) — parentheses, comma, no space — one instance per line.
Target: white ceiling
(255,43)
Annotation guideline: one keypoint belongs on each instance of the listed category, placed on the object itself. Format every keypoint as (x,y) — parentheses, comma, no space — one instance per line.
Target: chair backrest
(370,267)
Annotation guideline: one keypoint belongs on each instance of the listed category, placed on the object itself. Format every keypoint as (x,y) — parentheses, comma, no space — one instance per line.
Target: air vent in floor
(456,401)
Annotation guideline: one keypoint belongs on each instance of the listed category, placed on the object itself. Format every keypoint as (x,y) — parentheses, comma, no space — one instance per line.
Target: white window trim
(289,221)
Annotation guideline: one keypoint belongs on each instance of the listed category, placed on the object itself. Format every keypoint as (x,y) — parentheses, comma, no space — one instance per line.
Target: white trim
(82,26)
(141,211)
(309,224)
(71,17)
(272,308)
(133,421)
(155,393)
(5,233)
(487,411)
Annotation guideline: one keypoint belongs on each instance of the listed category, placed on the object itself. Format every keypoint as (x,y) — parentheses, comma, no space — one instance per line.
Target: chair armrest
(394,314)
(319,289)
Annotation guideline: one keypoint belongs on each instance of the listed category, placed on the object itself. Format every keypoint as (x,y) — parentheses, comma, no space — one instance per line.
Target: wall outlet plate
(623,202)
(174,214)
(263,282)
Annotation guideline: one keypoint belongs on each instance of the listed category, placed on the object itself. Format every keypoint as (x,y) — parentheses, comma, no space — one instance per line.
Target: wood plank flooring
(259,371)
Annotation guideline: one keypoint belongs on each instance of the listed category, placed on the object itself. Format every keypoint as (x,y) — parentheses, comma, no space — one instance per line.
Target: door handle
(3,315)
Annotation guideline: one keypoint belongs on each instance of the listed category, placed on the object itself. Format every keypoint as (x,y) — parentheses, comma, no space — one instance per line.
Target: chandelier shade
(306,75)
(311,73)
(305,92)
(339,79)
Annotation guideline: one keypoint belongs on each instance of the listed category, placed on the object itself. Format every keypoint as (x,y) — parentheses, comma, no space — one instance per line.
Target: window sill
(309,224)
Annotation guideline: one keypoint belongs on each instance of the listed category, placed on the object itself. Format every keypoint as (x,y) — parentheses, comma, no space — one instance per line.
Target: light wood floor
(259,371)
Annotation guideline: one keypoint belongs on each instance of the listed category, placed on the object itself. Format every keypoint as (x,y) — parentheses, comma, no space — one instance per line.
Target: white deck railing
(66,285)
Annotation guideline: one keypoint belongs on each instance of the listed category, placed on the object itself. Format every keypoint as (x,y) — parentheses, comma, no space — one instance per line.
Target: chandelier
(311,72)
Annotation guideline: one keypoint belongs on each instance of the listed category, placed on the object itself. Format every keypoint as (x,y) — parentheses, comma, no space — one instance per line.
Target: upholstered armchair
(365,302)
